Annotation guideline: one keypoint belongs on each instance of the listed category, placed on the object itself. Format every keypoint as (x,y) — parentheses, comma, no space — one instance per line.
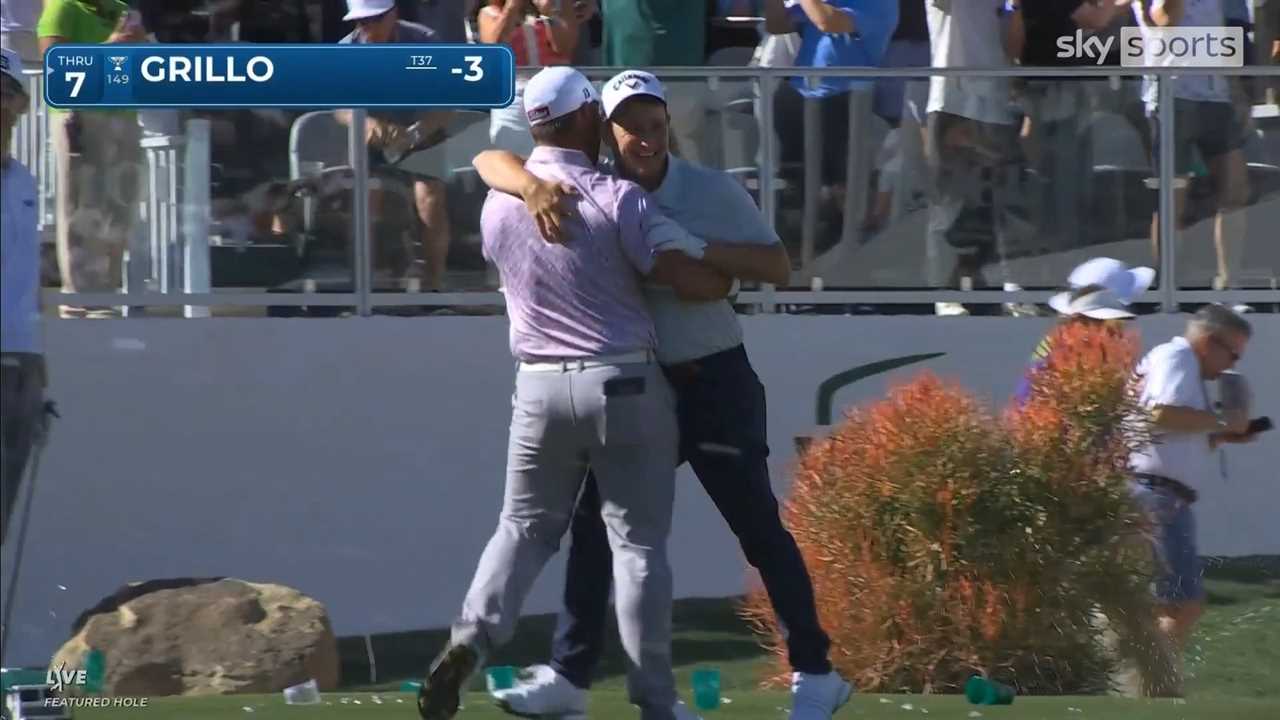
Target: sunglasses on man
(1235,356)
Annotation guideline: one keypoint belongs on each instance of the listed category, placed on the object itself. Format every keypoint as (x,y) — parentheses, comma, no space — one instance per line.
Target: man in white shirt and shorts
(1171,471)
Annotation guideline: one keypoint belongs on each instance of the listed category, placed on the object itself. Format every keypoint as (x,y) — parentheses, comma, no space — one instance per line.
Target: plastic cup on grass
(706,688)
(981,691)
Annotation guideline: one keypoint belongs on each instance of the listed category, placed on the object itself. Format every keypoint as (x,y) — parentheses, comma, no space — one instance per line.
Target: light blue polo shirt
(711,205)
(19,260)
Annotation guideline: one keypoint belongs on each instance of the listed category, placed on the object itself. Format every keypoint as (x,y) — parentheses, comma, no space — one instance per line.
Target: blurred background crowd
(889,182)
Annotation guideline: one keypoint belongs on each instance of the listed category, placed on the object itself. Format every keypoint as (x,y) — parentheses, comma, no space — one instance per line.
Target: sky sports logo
(1160,47)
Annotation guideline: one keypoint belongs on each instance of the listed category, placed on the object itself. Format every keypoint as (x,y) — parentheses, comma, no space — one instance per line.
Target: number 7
(78,79)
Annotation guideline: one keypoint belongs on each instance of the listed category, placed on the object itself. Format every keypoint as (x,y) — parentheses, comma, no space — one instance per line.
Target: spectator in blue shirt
(833,33)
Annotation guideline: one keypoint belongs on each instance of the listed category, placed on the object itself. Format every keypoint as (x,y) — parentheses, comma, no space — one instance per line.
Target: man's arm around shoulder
(663,251)
(759,256)
(692,281)
(547,201)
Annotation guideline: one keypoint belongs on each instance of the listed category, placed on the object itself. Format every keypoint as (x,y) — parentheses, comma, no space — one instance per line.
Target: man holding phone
(1170,471)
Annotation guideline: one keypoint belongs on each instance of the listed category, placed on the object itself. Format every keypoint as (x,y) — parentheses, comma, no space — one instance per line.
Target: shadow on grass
(703,630)
(1250,569)
(1233,581)
(1218,599)
(1225,594)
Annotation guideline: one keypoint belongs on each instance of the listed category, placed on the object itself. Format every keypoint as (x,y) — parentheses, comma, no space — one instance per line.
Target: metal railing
(33,147)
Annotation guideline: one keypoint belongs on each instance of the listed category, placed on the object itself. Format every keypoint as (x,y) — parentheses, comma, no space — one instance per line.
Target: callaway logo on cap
(628,84)
(633,80)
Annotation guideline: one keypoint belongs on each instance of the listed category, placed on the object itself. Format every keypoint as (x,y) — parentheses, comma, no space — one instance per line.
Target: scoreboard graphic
(279,76)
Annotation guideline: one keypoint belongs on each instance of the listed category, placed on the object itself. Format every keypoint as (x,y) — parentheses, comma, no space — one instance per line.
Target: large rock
(125,593)
(223,637)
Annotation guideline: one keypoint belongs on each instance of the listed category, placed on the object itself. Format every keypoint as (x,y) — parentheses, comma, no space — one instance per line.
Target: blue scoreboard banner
(299,76)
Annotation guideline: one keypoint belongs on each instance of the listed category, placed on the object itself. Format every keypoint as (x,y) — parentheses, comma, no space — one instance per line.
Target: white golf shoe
(818,697)
(543,692)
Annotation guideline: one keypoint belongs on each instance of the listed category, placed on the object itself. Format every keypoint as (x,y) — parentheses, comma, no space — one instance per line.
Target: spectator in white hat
(1126,282)
(1099,290)
(1092,304)
(395,135)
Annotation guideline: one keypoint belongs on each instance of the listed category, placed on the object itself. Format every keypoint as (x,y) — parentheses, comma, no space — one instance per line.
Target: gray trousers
(620,421)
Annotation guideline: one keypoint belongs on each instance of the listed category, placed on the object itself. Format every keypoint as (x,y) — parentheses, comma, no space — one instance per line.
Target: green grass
(1232,664)
(611,704)
(1235,652)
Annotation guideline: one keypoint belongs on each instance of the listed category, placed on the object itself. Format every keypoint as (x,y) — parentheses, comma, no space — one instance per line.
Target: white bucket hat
(1126,282)
(1101,304)
(361,9)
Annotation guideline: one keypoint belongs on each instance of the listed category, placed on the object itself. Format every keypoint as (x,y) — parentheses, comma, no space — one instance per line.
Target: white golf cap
(361,9)
(1103,304)
(555,92)
(11,65)
(1126,282)
(628,84)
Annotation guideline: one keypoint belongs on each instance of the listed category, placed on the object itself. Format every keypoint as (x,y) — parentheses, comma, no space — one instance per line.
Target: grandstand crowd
(999,168)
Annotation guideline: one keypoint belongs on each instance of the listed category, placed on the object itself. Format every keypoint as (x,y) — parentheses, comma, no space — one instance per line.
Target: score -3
(306,76)
(474,72)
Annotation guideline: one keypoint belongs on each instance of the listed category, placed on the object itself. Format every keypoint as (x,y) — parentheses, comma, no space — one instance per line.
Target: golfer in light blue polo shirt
(720,404)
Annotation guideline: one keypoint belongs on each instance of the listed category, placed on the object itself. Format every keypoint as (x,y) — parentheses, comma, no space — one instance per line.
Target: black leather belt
(1184,493)
(683,372)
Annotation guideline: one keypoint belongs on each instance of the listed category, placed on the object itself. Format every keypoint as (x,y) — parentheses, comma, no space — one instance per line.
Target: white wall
(361,461)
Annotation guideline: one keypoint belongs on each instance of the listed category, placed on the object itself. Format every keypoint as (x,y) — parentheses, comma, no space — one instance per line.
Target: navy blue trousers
(723,436)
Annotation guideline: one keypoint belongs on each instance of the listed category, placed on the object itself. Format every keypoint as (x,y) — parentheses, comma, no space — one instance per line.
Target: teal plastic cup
(706,688)
(981,691)
(500,677)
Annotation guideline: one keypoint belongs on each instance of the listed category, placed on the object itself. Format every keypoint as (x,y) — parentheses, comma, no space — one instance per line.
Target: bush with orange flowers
(946,540)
